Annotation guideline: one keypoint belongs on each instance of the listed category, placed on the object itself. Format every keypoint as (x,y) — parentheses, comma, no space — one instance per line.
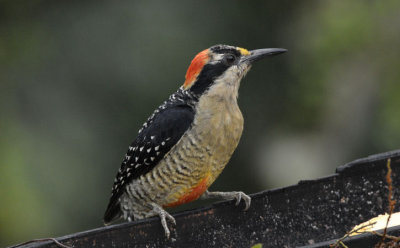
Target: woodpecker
(185,144)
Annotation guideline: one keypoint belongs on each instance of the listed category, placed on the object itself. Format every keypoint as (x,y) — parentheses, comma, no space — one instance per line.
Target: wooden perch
(305,214)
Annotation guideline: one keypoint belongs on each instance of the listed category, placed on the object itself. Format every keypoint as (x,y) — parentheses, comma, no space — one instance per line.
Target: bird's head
(222,65)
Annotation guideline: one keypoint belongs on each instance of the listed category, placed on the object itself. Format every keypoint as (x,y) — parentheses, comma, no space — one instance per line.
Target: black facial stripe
(207,76)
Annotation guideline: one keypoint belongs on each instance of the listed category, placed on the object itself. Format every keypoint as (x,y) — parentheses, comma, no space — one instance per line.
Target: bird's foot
(158,210)
(238,195)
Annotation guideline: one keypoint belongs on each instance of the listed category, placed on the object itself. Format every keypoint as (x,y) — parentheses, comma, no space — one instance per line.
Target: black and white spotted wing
(157,136)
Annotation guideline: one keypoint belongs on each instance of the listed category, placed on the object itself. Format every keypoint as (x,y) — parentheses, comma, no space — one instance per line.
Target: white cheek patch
(216,58)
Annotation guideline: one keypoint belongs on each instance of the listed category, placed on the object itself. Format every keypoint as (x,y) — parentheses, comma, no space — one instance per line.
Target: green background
(78,79)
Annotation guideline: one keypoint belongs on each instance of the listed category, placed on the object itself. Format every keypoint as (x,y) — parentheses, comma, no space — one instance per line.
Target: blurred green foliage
(78,78)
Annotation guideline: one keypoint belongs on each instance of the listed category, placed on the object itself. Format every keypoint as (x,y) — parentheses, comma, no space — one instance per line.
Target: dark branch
(304,214)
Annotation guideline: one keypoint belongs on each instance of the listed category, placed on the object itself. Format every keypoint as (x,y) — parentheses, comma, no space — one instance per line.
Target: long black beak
(258,54)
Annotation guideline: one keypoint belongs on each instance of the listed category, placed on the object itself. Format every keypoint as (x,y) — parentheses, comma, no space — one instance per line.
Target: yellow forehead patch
(243,51)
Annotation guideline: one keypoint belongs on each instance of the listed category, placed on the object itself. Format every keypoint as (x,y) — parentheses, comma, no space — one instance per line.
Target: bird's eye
(229,58)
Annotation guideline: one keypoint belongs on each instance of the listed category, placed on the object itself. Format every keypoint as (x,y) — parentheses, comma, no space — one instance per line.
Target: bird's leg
(158,210)
(238,195)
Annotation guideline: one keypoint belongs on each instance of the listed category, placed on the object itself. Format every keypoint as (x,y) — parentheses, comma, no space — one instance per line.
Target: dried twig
(391,202)
(340,241)
(394,238)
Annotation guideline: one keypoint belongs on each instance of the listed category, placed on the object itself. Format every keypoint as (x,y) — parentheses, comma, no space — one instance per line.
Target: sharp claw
(172,219)
(238,197)
(167,233)
(164,224)
(247,200)
(163,215)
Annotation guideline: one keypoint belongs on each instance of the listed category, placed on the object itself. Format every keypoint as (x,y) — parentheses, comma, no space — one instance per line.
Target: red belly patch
(192,194)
